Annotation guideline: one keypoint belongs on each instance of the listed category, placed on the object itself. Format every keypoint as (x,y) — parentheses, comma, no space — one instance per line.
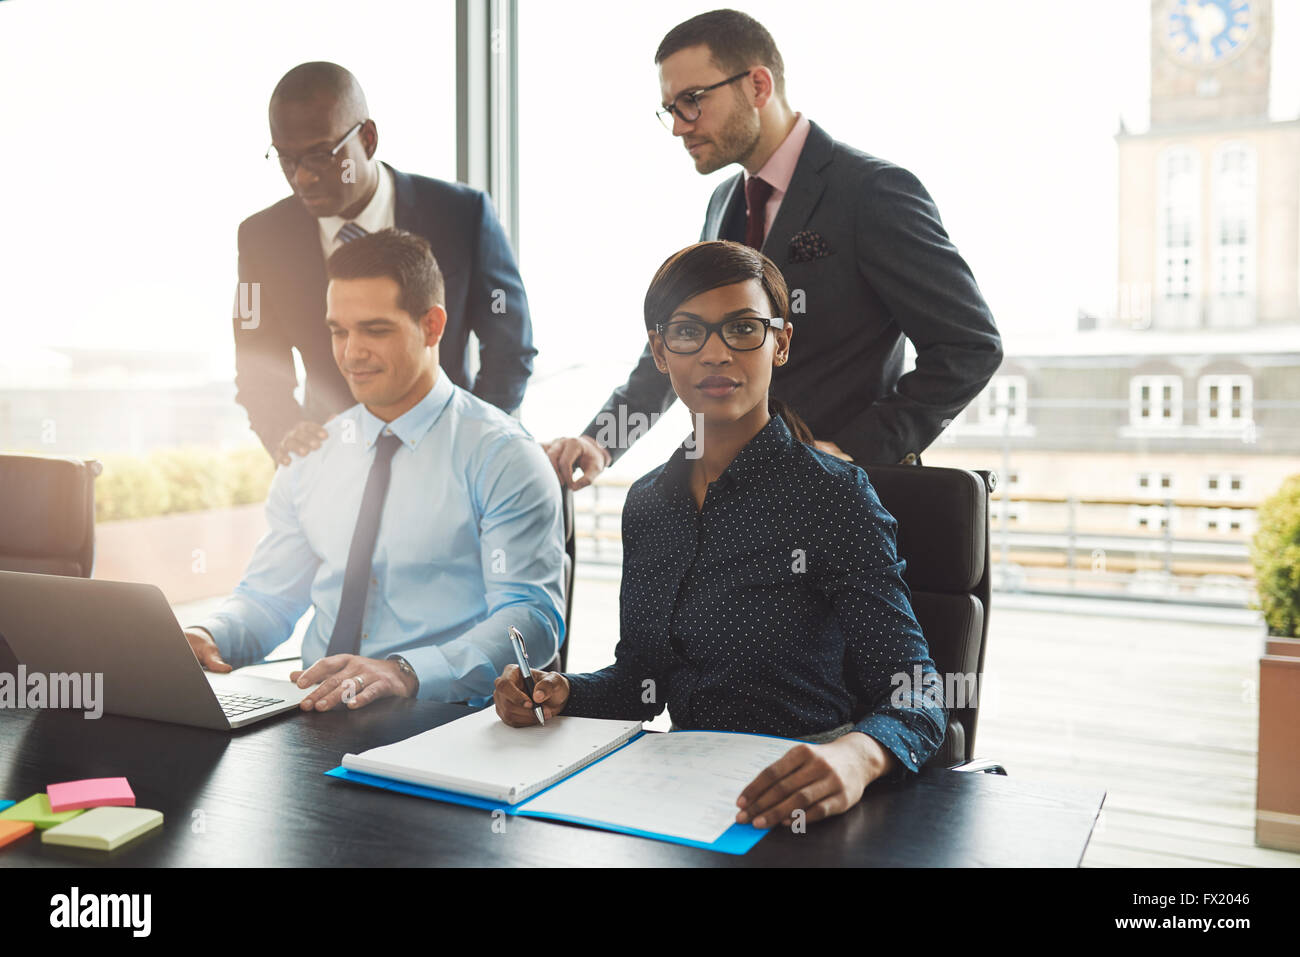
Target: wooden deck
(1160,713)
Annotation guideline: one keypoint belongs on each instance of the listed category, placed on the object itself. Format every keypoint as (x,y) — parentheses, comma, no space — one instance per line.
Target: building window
(1225,400)
(1225,485)
(1016,512)
(1178,227)
(1148,517)
(1156,401)
(1232,235)
(1004,401)
(1155,482)
(1229,520)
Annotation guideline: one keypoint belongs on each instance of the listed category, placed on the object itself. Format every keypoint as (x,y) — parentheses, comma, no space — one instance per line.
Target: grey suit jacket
(868,261)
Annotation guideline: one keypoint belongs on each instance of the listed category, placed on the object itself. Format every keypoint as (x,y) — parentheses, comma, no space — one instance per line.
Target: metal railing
(1098,558)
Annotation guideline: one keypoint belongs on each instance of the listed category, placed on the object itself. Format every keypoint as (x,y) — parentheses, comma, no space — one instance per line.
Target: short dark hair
(401,256)
(735,41)
(708,265)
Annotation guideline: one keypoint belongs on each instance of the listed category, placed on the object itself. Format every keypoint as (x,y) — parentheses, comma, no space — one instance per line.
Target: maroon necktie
(757,193)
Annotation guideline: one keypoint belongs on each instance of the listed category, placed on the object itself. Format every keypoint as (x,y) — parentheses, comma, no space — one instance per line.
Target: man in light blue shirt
(427,524)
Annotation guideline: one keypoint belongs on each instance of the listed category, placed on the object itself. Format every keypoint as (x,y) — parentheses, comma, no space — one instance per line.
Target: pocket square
(807,246)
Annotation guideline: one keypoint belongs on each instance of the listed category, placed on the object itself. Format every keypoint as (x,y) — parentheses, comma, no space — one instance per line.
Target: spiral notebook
(480,756)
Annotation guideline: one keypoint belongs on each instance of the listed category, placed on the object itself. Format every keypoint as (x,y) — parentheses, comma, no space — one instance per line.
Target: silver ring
(361,682)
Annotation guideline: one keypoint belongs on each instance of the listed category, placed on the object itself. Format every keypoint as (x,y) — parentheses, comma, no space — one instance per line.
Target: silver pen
(521,658)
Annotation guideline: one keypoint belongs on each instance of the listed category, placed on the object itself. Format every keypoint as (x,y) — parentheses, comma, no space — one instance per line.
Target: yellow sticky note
(104,828)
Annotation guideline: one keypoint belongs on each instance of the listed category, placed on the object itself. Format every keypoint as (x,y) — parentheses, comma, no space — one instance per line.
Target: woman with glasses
(761,589)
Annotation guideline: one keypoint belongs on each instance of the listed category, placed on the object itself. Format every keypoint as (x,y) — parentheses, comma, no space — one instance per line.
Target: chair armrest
(981,766)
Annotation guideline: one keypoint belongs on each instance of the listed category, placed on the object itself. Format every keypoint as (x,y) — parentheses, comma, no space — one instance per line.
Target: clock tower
(1209,193)
(1210,60)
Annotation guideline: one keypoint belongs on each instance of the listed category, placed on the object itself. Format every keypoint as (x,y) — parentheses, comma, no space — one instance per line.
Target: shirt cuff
(432,669)
(886,731)
(220,630)
(581,700)
(598,695)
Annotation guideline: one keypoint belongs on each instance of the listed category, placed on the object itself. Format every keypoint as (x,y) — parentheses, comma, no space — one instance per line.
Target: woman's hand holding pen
(550,691)
(819,779)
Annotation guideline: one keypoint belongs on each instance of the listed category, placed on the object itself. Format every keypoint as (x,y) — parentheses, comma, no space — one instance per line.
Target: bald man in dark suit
(326,143)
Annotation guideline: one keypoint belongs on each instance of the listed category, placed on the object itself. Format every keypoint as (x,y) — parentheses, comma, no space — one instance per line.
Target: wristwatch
(405,668)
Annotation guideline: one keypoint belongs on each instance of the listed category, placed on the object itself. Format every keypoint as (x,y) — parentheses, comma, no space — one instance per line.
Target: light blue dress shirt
(471,541)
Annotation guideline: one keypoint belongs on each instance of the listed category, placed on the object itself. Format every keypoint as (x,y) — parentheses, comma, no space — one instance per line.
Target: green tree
(1275,553)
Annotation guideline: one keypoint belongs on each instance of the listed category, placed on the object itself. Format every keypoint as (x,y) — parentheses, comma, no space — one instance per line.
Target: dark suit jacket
(280,249)
(877,266)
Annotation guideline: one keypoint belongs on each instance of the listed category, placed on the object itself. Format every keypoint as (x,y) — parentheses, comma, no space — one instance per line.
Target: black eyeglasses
(688,336)
(687,105)
(317,161)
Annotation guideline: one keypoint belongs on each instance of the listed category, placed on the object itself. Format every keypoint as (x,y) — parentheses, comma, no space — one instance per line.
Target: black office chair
(943,535)
(47,522)
(47,525)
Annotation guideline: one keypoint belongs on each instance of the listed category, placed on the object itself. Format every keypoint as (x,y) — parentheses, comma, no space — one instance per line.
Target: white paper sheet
(683,784)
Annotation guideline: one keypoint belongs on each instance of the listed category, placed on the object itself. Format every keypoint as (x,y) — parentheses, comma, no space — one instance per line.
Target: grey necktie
(346,638)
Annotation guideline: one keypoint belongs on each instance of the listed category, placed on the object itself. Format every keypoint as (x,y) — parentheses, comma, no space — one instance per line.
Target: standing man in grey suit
(325,142)
(857,238)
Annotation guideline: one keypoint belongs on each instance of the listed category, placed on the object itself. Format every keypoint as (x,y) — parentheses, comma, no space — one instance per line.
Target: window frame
(1210,413)
(1156,382)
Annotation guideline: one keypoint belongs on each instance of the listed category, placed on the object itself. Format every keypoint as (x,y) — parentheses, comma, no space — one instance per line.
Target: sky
(134,134)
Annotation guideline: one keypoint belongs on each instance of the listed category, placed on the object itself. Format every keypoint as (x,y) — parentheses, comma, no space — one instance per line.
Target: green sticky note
(104,828)
(37,810)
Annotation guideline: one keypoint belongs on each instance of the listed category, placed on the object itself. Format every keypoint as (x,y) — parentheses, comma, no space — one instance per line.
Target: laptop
(127,632)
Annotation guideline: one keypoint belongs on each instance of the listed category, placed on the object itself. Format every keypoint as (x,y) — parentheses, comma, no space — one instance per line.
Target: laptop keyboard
(234,704)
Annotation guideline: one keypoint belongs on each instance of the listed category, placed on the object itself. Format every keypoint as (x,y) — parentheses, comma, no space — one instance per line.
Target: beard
(734,142)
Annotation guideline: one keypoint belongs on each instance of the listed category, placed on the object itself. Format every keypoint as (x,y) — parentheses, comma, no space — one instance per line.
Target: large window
(148,125)
(1178,275)
(1233,236)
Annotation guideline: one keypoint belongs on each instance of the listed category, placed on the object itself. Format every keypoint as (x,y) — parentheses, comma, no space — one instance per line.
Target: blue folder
(737,839)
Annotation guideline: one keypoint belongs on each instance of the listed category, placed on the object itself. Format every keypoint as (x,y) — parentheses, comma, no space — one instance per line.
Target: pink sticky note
(92,792)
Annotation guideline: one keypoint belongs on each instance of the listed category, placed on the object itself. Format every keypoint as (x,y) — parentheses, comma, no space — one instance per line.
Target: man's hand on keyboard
(351,680)
(205,649)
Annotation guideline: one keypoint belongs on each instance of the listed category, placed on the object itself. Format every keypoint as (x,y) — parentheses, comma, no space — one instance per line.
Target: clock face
(1208,32)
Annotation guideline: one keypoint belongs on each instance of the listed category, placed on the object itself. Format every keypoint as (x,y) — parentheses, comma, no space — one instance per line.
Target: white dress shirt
(380,213)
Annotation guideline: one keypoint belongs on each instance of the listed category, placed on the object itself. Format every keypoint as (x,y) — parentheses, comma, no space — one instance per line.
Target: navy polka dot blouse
(778,608)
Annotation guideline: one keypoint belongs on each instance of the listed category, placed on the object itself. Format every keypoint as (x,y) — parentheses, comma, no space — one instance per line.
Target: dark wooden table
(259,797)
